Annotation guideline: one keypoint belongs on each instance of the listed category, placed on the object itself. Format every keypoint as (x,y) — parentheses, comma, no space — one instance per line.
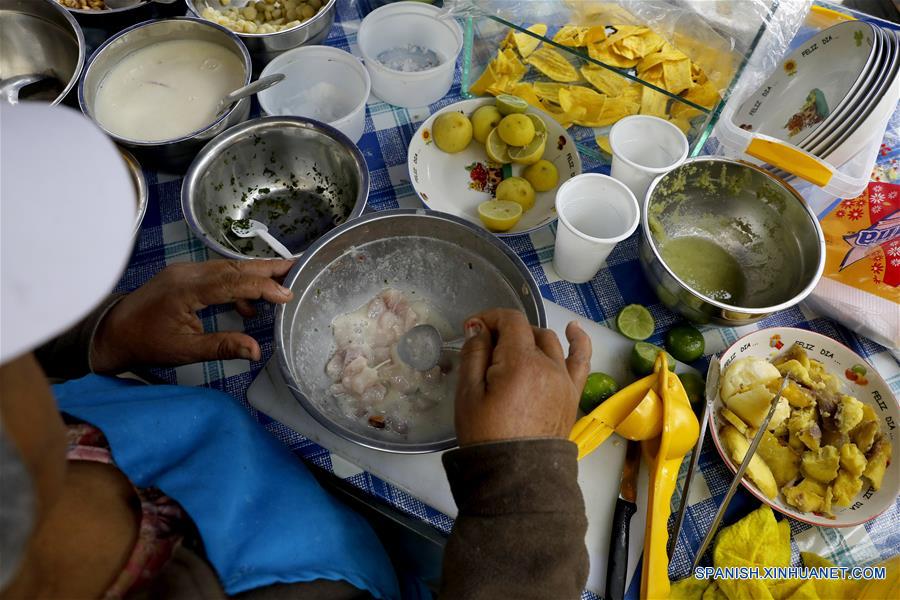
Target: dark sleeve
(67,356)
(521,524)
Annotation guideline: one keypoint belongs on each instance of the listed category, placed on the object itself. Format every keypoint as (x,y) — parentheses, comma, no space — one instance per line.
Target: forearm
(67,356)
(521,524)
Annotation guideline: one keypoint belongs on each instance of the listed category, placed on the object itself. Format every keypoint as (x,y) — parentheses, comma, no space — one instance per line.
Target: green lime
(685,343)
(643,356)
(635,322)
(695,387)
(597,388)
(508,104)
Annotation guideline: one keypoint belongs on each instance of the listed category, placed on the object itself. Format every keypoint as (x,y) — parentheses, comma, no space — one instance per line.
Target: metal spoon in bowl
(263,83)
(117,4)
(248,228)
(421,347)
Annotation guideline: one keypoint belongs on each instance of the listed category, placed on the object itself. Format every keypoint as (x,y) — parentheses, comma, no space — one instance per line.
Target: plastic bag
(719,36)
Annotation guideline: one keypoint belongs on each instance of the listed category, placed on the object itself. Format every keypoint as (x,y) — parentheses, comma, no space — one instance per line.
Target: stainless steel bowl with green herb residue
(725,242)
(298,176)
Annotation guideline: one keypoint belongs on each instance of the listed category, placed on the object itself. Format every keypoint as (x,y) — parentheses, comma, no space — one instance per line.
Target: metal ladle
(263,83)
(421,347)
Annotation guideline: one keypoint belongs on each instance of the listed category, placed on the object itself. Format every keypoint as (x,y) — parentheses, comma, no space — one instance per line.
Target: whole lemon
(518,190)
(452,132)
(542,175)
(516,130)
(483,121)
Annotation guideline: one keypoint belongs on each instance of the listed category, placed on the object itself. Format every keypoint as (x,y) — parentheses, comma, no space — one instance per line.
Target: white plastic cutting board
(422,476)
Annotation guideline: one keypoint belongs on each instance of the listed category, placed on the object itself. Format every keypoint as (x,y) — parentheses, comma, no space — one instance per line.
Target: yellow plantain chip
(595,34)
(681,123)
(677,75)
(487,79)
(547,90)
(583,104)
(571,36)
(606,81)
(524,43)
(689,588)
(553,64)
(603,143)
(526,92)
(704,94)
(558,114)
(680,110)
(507,63)
(609,57)
(653,103)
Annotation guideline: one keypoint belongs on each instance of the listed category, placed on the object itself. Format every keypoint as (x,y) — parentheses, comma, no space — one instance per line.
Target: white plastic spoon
(248,228)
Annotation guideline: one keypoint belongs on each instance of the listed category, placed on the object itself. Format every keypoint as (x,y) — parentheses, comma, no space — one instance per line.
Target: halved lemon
(499,215)
(530,154)
(508,104)
(497,150)
(539,126)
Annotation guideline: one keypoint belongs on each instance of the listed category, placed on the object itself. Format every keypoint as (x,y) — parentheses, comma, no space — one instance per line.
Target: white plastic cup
(596,212)
(404,24)
(643,148)
(322,83)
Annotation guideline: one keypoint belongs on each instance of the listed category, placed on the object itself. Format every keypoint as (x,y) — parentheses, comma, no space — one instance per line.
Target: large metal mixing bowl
(266,46)
(752,227)
(299,177)
(174,154)
(40,37)
(457,267)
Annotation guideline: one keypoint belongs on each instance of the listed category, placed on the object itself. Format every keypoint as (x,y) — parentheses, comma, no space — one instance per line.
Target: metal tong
(738,476)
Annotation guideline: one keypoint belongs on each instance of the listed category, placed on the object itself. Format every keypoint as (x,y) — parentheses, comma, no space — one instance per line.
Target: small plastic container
(322,83)
(417,31)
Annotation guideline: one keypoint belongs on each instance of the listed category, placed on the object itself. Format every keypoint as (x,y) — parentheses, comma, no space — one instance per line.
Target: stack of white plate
(831,95)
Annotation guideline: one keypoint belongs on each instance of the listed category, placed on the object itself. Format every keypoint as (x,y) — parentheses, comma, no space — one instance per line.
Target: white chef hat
(67,208)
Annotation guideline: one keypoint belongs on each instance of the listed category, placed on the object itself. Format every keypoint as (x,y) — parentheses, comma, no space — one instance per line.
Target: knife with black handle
(617,560)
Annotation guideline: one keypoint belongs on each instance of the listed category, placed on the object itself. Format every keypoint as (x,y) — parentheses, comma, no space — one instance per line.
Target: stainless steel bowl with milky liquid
(457,267)
(727,243)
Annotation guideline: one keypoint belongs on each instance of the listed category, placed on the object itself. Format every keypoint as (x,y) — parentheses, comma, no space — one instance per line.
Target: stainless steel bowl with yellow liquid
(725,242)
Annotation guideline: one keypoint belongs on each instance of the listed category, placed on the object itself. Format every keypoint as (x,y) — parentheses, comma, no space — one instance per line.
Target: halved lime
(597,388)
(685,343)
(643,356)
(530,154)
(499,215)
(635,322)
(508,104)
(496,149)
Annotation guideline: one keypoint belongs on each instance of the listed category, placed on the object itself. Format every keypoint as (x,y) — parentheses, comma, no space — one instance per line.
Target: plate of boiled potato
(496,162)
(829,455)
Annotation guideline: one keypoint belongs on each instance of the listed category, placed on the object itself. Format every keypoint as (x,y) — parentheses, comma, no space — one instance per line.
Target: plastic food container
(415,31)
(322,83)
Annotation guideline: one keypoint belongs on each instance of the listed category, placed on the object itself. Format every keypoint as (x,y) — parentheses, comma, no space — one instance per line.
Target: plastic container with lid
(407,36)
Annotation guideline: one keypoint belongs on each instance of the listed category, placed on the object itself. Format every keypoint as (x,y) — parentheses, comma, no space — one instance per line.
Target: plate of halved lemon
(496,162)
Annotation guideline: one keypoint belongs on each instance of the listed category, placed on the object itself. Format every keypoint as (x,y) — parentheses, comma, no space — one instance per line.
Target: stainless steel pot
(41,37)
(739,221)
(297,176)
(174,154)
(456,266)
(266,46)
(140,188)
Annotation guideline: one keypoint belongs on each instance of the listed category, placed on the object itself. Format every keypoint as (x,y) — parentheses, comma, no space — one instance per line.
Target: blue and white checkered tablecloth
(165,239)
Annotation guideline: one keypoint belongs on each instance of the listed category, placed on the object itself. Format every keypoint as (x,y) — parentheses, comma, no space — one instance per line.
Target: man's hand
(157,324)
(515,381)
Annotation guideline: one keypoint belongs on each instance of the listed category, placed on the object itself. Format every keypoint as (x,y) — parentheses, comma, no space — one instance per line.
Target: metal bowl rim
(315,17)
(766,310)
(280,351)
(107,11)
(208,153)
(82,50)
(140,180)
(248,77)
